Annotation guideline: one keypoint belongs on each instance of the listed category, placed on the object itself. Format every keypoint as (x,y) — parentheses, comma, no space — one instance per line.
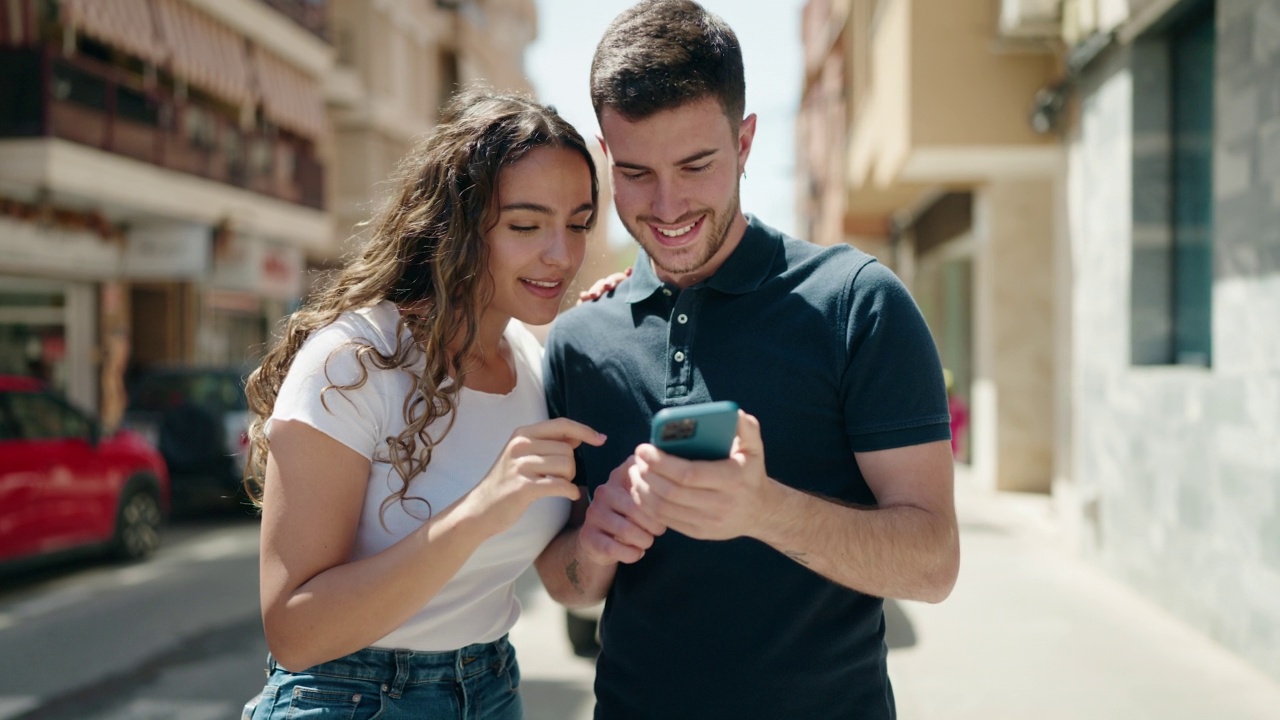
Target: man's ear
(746,135)
(603,146)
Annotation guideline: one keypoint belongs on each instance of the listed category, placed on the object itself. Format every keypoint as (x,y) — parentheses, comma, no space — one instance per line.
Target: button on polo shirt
(680,311)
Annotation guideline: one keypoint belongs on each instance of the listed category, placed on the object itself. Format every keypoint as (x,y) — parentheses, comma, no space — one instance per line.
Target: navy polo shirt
(828,350)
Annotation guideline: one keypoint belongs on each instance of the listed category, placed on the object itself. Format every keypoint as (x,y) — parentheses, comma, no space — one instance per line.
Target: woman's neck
(490,365)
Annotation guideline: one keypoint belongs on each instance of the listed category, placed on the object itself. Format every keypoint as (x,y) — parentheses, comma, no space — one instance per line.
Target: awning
(290,97)
(206,53)
(126,24)
(198,49)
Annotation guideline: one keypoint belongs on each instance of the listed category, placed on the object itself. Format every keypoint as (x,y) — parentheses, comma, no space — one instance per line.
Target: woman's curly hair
(427,254)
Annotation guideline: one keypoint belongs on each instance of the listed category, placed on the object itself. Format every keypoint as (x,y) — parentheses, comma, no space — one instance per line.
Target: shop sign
(248,264)
(166,250)
(60,252)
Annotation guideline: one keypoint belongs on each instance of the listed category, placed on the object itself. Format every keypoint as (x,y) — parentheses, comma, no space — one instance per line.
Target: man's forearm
(570,579)
(902,551)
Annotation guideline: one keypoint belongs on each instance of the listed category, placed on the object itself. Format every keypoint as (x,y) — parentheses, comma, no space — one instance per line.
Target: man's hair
(662,54)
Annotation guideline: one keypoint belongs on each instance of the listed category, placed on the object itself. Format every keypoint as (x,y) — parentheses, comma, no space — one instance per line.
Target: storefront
(49,279)
(255,282)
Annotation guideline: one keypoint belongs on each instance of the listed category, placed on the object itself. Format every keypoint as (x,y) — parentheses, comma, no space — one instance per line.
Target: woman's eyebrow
(543,209)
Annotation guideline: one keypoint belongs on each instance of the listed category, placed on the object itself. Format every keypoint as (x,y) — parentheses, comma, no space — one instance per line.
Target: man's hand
(707,500)
(616,529)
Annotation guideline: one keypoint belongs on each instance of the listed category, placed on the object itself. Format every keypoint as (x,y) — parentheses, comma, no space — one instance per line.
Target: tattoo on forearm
(572,573)
(800,557)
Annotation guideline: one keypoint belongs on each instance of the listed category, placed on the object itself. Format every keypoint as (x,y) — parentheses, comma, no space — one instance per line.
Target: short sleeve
(313,392)
(892,390)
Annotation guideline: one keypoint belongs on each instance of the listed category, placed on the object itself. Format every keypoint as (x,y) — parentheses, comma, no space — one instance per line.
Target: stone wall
(1176,470)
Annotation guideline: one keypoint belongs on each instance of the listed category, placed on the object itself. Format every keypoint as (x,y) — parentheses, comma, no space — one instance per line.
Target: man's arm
(578,565)
(906,547)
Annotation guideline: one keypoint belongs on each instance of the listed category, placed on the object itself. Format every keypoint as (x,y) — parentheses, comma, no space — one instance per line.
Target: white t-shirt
(479,603)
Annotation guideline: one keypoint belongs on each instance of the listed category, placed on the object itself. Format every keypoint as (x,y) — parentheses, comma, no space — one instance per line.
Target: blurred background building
(175,175)
(1084,197)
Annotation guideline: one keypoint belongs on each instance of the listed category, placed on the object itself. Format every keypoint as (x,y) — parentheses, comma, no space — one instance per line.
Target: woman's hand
(537,462)
(603,286)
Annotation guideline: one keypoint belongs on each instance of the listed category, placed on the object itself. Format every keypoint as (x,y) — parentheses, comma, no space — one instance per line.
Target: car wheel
(137,525)
(582,635)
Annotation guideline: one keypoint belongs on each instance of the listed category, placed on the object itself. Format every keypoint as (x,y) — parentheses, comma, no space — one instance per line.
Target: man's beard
(687,262)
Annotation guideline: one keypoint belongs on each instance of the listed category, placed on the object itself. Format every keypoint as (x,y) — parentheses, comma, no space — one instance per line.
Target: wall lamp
(1046,107)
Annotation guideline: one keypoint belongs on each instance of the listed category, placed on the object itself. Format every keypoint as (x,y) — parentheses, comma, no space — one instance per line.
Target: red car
(64,486)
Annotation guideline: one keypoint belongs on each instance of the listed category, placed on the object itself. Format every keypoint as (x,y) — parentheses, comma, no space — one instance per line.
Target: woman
(408,472)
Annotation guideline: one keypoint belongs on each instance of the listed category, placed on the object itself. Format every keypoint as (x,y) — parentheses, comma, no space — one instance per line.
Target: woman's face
(537,245)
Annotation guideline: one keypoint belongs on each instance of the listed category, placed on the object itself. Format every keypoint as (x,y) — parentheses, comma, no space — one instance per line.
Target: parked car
(199,420)
(64,485)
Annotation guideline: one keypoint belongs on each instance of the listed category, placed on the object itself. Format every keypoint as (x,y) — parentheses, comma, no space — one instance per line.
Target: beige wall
(388,84)
(934,99)
(964,91)
(1013,393)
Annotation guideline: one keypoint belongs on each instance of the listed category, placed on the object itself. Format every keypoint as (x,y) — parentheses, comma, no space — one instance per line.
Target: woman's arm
(316,604)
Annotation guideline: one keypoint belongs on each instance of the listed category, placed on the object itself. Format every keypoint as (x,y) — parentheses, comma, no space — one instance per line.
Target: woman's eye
(523,228)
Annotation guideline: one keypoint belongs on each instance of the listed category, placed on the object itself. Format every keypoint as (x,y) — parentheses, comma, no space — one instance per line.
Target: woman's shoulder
(375,325)
(338,345)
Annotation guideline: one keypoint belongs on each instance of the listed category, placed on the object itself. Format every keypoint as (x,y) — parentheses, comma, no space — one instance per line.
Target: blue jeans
(478,682)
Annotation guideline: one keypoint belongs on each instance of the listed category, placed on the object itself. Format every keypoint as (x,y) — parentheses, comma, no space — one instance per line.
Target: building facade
(175,175)
(162,174)
(1173,139)
(397,64)
(1084,196)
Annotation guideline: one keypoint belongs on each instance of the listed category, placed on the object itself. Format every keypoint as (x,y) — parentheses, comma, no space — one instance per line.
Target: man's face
(675,185)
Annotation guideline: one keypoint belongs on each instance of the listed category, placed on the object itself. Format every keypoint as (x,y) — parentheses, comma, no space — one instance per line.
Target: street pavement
(1030,631)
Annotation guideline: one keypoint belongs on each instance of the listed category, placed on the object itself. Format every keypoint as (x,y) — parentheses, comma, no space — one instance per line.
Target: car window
(8,426)
(41,417)
(216,391)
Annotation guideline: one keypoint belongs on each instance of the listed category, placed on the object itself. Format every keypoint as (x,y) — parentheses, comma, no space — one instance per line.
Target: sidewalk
(1033,632)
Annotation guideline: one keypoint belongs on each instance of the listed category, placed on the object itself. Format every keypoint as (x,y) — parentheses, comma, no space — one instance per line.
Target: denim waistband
(396,669)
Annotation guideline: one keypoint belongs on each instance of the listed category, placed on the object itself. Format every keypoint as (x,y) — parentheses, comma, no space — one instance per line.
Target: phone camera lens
(679,429)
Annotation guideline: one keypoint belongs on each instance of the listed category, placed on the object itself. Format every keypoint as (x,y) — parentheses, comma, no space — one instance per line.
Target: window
(1173,107)
(40,417)
(1191,47)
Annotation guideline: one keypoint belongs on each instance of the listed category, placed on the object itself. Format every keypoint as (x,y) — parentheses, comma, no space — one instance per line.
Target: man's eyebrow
(682,161)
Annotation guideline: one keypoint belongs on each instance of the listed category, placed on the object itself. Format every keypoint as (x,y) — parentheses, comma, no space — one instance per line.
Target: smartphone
(703,431)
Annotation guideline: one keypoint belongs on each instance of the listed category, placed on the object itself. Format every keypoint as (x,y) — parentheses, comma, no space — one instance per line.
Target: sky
(559,61)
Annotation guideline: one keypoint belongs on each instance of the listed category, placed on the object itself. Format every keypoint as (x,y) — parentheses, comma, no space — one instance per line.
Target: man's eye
(698,168)
(633,175)
(581,229)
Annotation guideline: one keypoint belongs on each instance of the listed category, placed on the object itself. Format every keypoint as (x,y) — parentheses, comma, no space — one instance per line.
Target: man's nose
(668,203)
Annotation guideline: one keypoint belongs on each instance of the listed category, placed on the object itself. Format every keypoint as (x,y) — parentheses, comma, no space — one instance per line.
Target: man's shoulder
(591,318)
(830,268)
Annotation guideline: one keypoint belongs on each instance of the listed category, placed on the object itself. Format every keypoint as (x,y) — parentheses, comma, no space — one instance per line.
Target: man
(749,587)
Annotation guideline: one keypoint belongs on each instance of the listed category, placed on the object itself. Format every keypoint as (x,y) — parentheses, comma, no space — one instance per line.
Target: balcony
(310,14)
(941,102)
(90,103)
